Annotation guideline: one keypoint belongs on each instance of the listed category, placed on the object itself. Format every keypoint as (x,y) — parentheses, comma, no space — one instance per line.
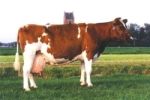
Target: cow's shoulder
(30,33)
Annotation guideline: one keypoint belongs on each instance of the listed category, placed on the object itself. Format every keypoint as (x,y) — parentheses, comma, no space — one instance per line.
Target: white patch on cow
(79,34)
(47,25)
(123,24)
(32,82)
(39,39)
(26,26)
(80,56)
(50,58)
(44,34)
(96,56)
(61,60)
(88,68)
(86,28)
(28,54)
(49,45)
(113,28)
(82,77)
(17,61)
(86,46)
(26,42)
(132,38)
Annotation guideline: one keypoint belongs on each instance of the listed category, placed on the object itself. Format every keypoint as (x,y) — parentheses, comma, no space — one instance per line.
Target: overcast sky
(16,13)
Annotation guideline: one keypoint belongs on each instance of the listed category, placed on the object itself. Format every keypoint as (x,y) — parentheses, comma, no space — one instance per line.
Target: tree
(134,29)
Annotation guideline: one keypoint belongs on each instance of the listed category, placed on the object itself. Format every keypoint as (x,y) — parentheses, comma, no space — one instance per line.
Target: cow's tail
(17,61)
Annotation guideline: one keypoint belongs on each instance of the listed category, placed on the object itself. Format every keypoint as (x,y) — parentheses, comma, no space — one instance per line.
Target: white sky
(16,13)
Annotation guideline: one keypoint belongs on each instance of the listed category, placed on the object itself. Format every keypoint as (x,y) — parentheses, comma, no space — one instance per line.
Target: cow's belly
(50,59)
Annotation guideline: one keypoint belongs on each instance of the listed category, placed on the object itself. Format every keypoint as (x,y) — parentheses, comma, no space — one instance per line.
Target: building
(68,18)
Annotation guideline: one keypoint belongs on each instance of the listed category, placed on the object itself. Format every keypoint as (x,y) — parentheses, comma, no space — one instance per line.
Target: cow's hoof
(83,84)
(90,85)
(34,87)
(27,89)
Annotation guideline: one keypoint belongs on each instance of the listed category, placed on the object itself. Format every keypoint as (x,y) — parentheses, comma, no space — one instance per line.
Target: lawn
(113,87)
(123,74)
(134,59)
(108,50)
(107,64)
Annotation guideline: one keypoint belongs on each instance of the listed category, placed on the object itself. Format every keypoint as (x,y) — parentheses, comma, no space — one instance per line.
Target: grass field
(134,59)
(108,50)
(119,74)
(107,64)
(114,87)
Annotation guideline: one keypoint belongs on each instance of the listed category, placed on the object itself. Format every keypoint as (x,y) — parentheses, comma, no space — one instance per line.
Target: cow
(66,43)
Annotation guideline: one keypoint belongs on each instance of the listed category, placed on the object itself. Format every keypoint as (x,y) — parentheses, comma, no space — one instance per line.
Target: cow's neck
(104,33)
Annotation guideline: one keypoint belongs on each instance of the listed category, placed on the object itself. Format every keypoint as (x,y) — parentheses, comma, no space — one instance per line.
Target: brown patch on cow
(45,39)
(64,40)
(29,34)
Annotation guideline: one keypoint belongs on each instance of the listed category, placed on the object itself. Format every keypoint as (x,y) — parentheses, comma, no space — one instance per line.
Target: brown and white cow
(66,43)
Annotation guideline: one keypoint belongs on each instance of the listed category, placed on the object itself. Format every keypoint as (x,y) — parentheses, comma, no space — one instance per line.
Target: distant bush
(108,50)
(127,50)
(7,51)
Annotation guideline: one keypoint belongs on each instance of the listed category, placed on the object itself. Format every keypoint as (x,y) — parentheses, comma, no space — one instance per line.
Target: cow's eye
(122,27)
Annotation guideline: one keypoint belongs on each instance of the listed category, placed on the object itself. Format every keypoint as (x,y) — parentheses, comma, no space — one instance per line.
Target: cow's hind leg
(32,82)
(28,61)
(82,78)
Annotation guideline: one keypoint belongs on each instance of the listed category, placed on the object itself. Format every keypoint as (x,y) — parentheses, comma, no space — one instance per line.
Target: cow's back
(66,40)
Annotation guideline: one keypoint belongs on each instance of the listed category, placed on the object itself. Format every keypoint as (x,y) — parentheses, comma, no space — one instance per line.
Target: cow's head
(119,31)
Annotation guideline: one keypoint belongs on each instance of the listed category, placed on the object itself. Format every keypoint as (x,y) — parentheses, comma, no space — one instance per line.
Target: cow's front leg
(82,78)
(88,70)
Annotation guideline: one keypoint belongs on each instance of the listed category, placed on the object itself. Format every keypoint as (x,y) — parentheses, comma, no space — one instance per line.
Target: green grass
(105,65)
(115,87)
(115,76)
(127,50)
(104,60)
(108,50)
(7,51)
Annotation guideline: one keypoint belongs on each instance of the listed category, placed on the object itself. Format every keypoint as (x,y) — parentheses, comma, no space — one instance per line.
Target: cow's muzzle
(132,38)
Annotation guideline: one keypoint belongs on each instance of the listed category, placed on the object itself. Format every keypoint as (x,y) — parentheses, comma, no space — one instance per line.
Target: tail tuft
(17,62)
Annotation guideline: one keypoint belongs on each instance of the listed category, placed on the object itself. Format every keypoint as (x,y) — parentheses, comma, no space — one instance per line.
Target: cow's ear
(125,21)
(116,21)
(118,18)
